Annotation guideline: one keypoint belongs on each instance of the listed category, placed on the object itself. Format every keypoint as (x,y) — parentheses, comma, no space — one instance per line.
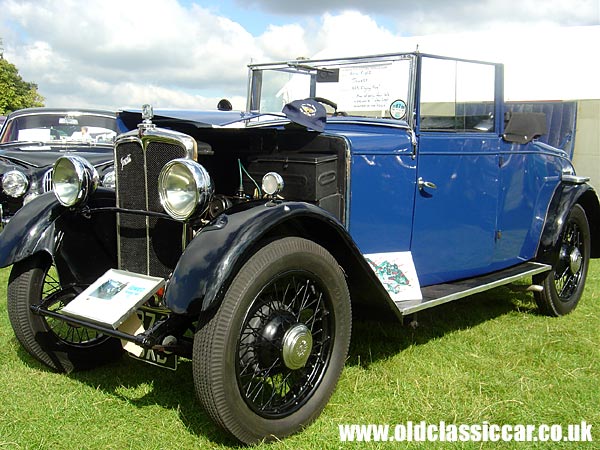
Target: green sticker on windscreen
(398,109)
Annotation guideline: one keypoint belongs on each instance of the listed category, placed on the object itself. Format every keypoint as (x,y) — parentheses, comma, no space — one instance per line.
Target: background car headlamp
(272,183)
(14,183)
(73,180)
(109,180)
(185,188)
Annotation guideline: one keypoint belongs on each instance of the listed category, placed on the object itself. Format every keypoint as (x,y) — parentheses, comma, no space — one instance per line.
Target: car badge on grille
(125,160)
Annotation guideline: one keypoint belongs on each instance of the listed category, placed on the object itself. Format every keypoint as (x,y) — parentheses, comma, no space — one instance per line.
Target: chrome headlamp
(185,188)
(272,183)
(15,183)
(74,179)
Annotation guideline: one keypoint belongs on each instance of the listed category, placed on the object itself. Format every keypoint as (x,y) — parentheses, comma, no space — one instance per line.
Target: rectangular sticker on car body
(396,271)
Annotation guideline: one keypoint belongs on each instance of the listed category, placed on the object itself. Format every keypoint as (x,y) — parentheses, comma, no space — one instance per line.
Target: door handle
(425,184)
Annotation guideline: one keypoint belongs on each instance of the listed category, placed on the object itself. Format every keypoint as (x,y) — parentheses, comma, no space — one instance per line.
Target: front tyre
(564,284)
(266,363)
(58,344)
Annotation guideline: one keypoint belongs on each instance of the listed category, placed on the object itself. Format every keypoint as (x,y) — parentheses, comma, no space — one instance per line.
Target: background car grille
(147,245)
(47,181)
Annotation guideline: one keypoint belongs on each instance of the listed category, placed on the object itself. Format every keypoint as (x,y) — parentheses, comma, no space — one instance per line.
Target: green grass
(490,357)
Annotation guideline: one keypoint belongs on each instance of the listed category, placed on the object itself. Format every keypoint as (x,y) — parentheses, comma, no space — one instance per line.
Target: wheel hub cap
(297,345)
(575,260)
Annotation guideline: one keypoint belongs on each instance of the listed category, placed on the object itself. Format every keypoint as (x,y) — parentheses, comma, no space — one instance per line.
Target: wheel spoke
(54,298)
(276,390)
(304,301)
(260,377)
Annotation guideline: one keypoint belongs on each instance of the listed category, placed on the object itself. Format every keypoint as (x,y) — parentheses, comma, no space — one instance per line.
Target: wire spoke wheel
(564,284)
(268,359)
(276,374)
(58,344)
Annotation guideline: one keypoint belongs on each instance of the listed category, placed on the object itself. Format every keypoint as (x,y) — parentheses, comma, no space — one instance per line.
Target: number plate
(155,357)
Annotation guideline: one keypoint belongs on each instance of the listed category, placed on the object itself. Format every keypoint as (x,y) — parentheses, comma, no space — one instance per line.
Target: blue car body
(390,183)
(453,231)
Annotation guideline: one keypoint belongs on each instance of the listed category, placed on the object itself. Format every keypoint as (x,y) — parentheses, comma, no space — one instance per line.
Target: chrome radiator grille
(147,245)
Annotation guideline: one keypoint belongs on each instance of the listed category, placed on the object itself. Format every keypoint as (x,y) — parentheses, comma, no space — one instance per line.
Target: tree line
(15,93)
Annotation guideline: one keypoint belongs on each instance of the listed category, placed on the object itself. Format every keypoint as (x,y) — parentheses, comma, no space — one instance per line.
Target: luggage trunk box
(307,176)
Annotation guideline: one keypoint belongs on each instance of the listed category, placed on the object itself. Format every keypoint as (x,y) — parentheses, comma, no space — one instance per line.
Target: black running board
(446,292)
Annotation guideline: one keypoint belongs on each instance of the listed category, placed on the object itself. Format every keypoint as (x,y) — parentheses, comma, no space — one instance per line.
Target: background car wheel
(267,362)
(564,284)
(56,343)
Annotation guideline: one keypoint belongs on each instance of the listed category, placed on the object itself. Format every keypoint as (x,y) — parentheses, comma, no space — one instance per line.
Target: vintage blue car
(245,241)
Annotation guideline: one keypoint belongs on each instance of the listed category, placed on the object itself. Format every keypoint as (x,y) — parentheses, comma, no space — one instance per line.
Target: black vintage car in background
(32,139)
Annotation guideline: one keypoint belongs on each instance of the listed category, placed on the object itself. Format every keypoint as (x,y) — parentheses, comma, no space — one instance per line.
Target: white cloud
(159,46)
(284,42)
(353,33)
(443,16)
(542,62)
(178,55)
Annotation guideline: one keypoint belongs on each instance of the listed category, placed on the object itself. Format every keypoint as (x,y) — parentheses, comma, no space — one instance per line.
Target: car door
(457,190)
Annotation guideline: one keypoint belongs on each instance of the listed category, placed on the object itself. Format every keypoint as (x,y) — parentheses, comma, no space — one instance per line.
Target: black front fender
(565,196)
(82,244)
(217,252)
(31,230)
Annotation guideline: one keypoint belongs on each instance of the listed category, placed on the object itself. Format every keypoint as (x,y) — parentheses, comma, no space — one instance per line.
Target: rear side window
(456,96)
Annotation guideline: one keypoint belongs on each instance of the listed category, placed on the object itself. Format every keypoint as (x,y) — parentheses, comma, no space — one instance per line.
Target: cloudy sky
(190,53)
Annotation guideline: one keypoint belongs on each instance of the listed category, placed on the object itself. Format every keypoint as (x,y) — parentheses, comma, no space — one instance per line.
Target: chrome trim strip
(411,109)
(145,143)
(531,268)
(347,181)
(359,121)
(382,57)
(344,60)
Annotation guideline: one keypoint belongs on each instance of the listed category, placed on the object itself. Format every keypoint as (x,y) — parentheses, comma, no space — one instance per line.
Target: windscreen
(55,128)
(363,88)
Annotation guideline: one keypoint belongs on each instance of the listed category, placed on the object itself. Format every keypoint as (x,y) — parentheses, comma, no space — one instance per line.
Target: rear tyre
(564,284)
(58,344)
(267,362)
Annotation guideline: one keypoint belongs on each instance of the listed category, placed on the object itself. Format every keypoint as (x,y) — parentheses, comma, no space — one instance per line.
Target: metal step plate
(447,292)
